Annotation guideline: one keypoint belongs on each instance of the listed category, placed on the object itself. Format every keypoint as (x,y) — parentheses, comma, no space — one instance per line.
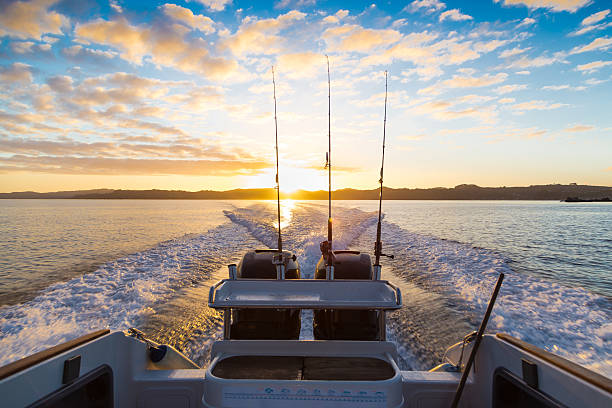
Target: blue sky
(178,95)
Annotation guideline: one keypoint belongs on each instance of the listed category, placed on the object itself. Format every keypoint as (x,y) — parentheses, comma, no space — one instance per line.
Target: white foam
(116,296)
(571,322)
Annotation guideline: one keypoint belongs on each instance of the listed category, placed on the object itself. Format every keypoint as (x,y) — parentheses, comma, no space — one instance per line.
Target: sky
(179,95)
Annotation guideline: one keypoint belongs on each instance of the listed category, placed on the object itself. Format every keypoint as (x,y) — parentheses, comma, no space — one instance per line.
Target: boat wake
(446,286)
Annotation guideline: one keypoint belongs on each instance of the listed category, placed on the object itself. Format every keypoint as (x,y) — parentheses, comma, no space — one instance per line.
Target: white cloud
(562,88)
(589,28)
(593,66)
(454,15)
(430,6)
(284,4)
(596,44)
(595,18)
(186,16)
(458,81)
(513,52)
(502,90)
(527,21)
(554,5)
(541,61)
(215,5)
(536,105)
(115,6)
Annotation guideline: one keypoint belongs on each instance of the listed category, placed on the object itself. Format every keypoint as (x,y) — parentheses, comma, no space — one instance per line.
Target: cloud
(593,66)
(443,110)
(430,6)
(596,44)
(89,55)
(429,56)
(61,83)
(554,5)
(284,4)
(506,100)
(541,61)
(513,52)
(454,15)
(579,128)
(354,38)
(301,64)
(502,90)
(30,19)
(116,7)
(589,28)
(215,5)
(335,18)
(536,105)
(562,87)
(128,166)
(527,21)
(260,36)
(16,73)
(595,18)
(186,16)
(460,81)
(164,44)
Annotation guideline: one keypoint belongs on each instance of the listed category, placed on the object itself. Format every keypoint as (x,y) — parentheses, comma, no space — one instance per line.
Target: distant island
(556,192)
(587,200)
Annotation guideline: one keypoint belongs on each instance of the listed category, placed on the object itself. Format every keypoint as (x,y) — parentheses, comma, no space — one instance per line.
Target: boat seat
(346,324)
(265,324)
(304,368)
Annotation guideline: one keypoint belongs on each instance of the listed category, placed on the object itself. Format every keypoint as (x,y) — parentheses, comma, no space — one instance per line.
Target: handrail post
(377,272)
(233,271)
(329,272)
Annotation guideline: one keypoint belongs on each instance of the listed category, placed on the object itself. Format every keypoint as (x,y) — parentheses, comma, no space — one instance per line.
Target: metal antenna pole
(280,241)
(378,245)
(329,220)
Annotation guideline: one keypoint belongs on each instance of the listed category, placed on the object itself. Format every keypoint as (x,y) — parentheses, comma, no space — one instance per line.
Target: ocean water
(68,267)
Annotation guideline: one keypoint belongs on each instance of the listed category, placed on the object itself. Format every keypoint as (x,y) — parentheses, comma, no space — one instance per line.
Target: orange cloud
(165,44)
(30,19)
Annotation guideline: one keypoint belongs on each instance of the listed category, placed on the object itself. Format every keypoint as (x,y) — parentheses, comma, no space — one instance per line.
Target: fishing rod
(280,241)
(378,245)
(326,246)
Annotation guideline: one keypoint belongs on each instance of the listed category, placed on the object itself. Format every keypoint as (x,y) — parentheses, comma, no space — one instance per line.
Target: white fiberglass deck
(304,294)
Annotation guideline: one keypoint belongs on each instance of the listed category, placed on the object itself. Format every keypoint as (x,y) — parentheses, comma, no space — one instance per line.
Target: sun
(291,179)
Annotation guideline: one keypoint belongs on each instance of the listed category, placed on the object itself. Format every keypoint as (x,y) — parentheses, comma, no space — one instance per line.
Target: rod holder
(377,272)
(233,271)
(329,272)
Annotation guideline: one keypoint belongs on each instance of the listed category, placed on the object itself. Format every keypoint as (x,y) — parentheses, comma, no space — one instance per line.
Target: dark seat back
(265,324)
(346,324)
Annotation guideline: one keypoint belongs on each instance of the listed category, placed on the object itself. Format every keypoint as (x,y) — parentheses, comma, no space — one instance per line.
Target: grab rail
(308,298)
(41,356)
(589,376)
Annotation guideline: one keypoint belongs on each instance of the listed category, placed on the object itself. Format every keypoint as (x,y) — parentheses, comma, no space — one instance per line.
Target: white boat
(124,369)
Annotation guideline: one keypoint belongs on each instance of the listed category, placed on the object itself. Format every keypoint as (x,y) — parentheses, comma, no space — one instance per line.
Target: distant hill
(460,192)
